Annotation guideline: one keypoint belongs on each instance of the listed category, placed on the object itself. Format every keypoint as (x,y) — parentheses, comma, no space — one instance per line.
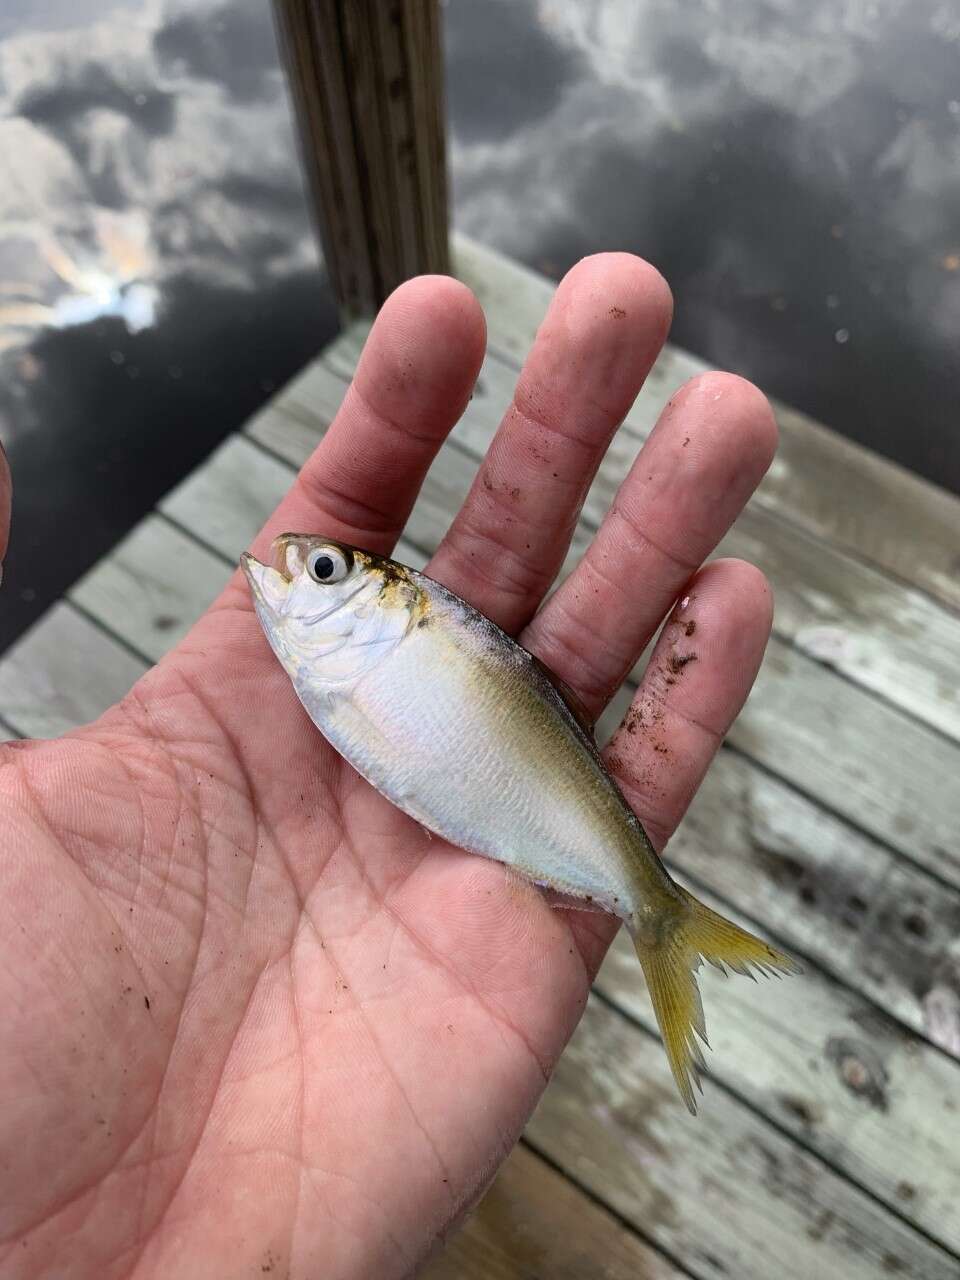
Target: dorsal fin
(574,705)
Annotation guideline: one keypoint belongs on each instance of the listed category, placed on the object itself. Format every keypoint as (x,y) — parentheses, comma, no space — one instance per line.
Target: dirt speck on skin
(651,712)
(488,484)
(634,720)
(618,313)
(514,493)
(677,661)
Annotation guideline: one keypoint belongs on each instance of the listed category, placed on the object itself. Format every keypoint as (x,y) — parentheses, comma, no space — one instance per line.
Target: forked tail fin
(670,970)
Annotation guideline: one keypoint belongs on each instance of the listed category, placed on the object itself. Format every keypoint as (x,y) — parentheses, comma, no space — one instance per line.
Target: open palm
(254,1018)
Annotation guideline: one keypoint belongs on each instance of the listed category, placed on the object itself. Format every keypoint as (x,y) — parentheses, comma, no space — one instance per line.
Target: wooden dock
(828,1143)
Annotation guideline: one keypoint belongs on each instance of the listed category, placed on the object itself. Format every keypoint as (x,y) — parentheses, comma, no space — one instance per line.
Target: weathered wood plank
(870,762)
(725,1194)
(880,633)
(877,923)
(534,1223)
(842,1077)
(153,586)
(227,500)
(284,429)
(367,86)
(423,43)
(825,484)
(62,673)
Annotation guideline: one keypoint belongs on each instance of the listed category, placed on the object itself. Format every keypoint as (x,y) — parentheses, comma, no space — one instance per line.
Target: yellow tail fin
(670,968)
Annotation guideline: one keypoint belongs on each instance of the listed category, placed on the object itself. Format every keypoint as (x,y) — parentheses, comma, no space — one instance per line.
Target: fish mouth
(268,584)
(280,549)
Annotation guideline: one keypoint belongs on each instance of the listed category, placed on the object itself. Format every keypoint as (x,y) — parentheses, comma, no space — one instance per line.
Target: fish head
(331,611)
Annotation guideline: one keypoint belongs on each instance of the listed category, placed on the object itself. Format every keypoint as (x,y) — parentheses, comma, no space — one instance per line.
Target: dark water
(158,271)
(794,170)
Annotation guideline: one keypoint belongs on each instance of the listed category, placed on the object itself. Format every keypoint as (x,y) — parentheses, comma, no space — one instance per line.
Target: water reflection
(794,170)
(114,280)
(158,277)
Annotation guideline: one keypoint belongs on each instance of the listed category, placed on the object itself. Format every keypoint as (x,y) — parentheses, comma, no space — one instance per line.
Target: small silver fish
(469,734)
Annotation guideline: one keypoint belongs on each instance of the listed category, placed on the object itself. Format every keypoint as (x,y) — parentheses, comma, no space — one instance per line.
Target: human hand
(255,1019)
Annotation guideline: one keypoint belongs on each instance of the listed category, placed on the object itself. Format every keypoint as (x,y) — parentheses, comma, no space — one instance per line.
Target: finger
(416,374)
(702,668)
(6,494)
(603,330)
(703,460)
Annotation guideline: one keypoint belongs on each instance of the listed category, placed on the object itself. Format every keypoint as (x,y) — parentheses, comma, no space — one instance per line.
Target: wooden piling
(366,78)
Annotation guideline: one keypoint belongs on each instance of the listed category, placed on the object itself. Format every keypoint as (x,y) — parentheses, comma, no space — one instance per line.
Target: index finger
(415,377)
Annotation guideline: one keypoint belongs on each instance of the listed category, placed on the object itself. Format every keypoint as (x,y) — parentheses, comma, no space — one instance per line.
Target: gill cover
(331,632)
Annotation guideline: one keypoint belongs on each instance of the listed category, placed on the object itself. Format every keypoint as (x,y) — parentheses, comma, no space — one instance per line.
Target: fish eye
(327,564)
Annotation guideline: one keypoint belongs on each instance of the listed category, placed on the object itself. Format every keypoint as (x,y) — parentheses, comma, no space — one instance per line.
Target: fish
(473,737)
